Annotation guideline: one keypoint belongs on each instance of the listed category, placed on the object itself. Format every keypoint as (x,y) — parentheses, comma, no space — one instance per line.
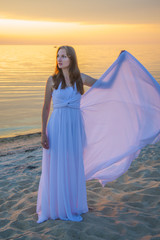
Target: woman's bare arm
(46,105)
(87,80)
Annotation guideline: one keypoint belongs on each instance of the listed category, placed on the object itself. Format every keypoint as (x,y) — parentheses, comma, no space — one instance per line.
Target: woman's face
(62,59)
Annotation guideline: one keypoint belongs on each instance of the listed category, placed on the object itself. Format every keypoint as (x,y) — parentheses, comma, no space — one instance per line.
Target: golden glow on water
(24,70)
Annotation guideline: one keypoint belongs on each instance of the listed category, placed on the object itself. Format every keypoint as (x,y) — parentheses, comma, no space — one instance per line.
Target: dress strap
(75,85)
(59,86)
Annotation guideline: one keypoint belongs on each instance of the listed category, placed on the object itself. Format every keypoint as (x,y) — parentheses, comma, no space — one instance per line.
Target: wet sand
(125,209)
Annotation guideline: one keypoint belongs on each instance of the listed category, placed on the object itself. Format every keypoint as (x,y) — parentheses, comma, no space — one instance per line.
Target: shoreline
(22,135)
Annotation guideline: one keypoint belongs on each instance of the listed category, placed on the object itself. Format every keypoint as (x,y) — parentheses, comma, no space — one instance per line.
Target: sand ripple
(125,209)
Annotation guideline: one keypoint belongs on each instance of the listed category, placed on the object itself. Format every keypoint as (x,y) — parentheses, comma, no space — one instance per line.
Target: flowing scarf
(121,113)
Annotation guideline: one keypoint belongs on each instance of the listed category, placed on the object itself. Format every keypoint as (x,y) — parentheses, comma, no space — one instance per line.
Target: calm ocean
(24,70)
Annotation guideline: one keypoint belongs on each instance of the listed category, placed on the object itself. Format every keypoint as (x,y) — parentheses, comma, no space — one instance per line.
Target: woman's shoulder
(50,82)
(50,78)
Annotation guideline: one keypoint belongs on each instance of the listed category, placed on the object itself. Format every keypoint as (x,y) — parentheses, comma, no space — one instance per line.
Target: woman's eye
(62,56)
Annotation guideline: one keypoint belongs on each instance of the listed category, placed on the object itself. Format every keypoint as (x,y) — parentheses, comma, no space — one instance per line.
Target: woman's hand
(122,52)
(44,141)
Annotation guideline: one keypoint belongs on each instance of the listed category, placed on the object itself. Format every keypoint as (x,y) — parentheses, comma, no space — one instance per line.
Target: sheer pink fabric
(121,114)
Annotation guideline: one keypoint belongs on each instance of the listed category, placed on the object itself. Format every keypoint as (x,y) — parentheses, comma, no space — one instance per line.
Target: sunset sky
(79,22)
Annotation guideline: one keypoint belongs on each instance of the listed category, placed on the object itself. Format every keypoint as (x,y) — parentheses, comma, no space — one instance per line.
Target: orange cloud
(41,32)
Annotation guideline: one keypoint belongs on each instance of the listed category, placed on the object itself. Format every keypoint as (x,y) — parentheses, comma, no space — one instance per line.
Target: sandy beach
(125,209)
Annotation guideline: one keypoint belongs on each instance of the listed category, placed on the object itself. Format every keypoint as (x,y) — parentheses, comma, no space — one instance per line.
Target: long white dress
(96,136)
(62,188)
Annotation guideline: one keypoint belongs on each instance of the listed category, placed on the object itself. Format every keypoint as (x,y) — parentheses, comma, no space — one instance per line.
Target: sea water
(24,70)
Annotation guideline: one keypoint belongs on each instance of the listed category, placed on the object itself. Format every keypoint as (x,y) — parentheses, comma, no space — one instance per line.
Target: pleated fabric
(62,189)
(96,136)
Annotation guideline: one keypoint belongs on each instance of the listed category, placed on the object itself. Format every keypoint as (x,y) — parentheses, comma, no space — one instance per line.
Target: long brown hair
(74,72)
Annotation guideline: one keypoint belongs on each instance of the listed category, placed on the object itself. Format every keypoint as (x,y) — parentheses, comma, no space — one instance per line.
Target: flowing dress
(62,189)
(96,136)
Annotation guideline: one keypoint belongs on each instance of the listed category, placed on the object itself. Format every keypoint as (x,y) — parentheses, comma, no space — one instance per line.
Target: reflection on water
(24,70)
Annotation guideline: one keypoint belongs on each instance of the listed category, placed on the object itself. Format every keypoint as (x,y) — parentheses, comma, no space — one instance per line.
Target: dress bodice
(67,97)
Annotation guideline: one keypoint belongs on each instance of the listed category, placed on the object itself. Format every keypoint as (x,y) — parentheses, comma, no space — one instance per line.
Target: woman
(63,170)
(95,135)
(65,55)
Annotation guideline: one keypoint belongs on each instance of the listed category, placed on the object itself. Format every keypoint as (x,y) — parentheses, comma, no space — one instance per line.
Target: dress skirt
(62,188)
